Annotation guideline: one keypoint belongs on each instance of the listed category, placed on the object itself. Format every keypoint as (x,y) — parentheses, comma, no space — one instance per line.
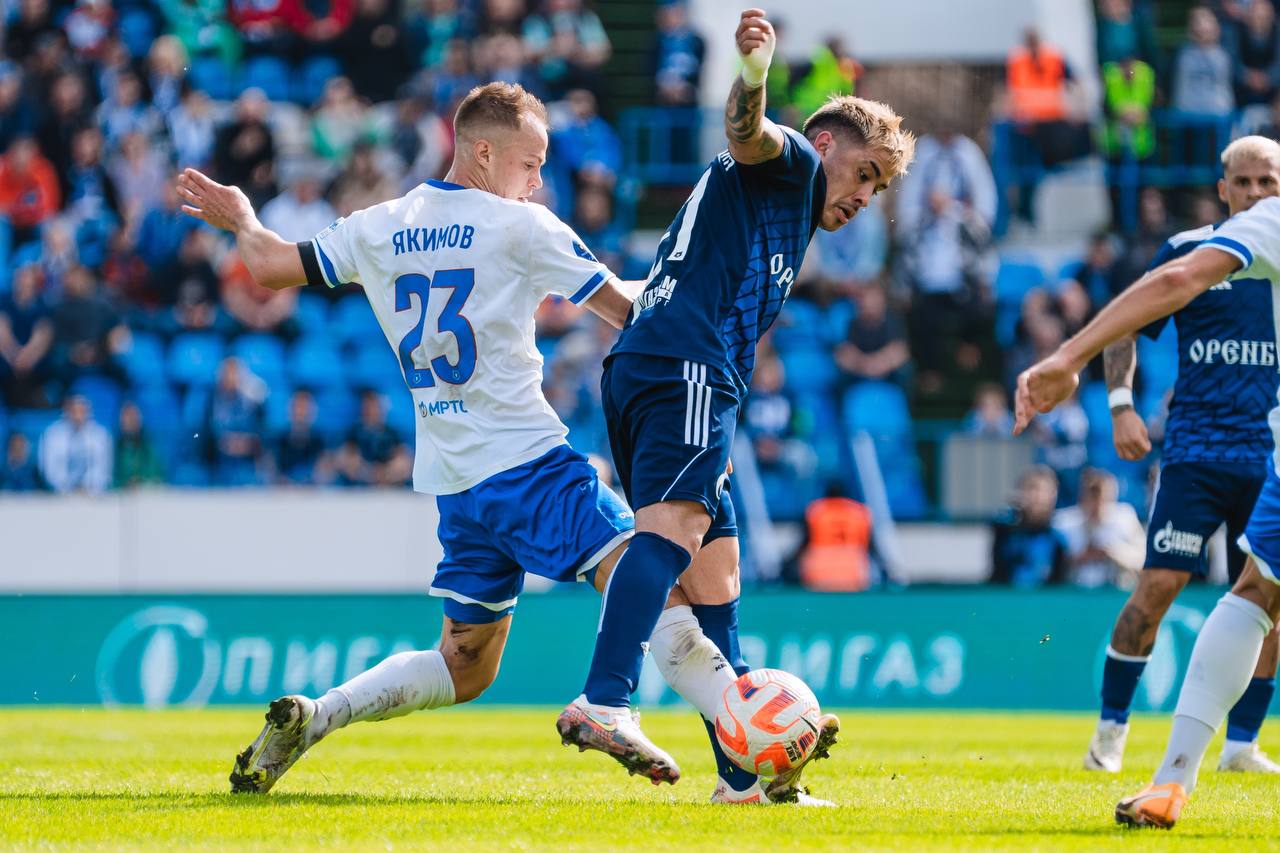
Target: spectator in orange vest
(29,191)
(836,557)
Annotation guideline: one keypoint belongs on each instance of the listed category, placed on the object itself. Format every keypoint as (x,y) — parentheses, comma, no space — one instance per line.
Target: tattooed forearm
(1118,362)
(744,123)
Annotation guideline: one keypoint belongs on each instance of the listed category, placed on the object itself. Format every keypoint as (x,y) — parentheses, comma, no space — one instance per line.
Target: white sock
(1222,662)
(690,662)
(401,684)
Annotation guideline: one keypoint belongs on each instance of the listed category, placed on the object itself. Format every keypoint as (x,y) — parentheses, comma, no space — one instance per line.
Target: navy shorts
(552,517)
(1261,539)
(1192,499)
(671,426)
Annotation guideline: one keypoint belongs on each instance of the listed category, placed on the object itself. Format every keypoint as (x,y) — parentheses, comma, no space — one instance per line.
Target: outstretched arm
(752,137)
(1156,295)
(272,261)
(1128,432)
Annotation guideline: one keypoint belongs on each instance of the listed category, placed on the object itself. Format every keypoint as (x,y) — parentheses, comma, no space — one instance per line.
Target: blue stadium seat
(270,74)
(263,355)
(314,363)
(373,366)
(194,358)
(352,321)
(144,360)
(310,77)
(213,77)
(808,370)
(312,315)
(103,395)
(137,30)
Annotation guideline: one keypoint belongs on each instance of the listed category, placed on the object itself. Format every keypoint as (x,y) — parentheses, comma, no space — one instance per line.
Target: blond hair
(495,105)
(1250,148)
(870,122)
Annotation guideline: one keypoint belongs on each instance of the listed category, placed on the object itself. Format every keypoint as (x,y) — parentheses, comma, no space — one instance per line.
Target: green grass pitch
(488,779)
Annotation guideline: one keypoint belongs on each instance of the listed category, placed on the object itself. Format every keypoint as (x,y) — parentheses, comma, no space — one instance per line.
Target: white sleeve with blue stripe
(559,262)
(1253,238)
(334,253)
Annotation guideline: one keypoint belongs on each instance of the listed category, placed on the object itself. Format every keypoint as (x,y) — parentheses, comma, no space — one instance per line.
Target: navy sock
(719,623)
(1119,683)
(633,600)
(1245,720)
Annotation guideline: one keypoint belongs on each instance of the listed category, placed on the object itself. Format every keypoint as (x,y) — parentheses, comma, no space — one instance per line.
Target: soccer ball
(767,722)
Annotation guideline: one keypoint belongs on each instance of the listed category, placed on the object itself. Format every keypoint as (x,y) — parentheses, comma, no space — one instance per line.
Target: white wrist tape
(1120,397)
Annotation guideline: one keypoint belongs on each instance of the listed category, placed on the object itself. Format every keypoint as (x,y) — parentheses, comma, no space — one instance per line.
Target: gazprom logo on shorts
(1248,353)
(1169,541)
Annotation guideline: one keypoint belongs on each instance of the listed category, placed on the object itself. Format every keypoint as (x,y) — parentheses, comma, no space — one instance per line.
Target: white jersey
(1253,237)
(454,276)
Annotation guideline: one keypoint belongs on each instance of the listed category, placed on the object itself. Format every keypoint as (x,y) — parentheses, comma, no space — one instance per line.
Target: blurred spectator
(677,56)
(88,330)
(990,416)
(17,114)
(374,50)
(125,113)
(372,454)
(300,454)
(431,25)
(19,473)
(339,121)
(569,45)
(836,552)
(1124,30)
(136,461)
(1202,69)
(245,151)
(26,339)
(29,192)
(166,72)
(300,212)
(829,70)
(1105,539)
(164,226)
(1026,550)
(593,220)
(362,184)
(203,28)
(875,347)
(75,451)
(193,130)
(1255,42)
(852,257)
(33,22)
(421,139)
(141,176)
(233,425)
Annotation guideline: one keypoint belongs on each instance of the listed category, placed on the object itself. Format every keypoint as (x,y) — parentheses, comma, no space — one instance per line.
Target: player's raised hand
(1041,387)
(756,41)
(209,201)
(1130,434)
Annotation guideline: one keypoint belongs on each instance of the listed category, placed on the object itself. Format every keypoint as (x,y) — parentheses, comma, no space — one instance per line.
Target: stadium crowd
(134,347)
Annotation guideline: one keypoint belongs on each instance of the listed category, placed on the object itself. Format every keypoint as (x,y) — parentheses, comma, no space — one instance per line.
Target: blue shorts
(1192,500)
(552,517)
(1261,539)
(671,426)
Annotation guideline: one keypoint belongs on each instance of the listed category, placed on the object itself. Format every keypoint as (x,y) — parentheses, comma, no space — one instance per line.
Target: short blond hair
(1250,148)
(495,105)
(870,122)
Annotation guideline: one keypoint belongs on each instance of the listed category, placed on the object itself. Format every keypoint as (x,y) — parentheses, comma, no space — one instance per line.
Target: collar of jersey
(444,185)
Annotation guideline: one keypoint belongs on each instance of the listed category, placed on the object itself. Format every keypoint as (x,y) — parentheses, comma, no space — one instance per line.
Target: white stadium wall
(175,540)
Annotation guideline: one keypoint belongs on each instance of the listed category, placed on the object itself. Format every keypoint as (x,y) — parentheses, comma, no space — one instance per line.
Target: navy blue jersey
(1227,370)
(727,263)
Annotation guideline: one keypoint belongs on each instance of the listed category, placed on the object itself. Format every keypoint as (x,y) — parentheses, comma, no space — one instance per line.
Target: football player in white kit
(1222,662)
(454,271)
